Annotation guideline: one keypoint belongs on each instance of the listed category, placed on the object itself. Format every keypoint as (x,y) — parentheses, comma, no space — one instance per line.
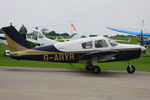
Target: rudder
(15,40)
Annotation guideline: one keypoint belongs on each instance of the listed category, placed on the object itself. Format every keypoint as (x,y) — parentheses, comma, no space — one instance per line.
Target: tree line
(53,33)
(45,31)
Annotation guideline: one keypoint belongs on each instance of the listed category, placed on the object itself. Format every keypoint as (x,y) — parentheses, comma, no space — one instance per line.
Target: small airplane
(40,39)
(145,41)
(90,51)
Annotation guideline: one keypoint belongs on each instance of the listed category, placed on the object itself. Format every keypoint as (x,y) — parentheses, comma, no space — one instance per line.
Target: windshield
(113,43)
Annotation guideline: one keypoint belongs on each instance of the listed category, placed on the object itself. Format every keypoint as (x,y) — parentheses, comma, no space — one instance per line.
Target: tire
(130,69)
(96,70)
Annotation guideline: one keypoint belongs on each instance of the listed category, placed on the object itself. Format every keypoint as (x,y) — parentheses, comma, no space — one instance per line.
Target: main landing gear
(96,69)
(92,68)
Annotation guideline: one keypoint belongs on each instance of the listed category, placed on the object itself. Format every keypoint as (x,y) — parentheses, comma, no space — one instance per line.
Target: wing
(103,55)
(128,32)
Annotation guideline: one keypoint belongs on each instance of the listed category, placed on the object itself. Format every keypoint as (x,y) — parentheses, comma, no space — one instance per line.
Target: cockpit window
(100,44)
(87,45)
(113,43)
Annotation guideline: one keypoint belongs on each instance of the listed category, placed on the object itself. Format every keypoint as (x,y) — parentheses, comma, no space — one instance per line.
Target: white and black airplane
(91,50)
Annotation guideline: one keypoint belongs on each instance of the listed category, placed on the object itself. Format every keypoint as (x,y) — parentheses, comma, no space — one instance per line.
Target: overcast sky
(89,16)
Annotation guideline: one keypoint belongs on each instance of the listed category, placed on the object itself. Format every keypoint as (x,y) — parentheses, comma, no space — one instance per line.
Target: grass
(142,64)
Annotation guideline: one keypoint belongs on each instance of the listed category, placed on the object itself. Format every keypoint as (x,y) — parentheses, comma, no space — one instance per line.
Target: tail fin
(15,40)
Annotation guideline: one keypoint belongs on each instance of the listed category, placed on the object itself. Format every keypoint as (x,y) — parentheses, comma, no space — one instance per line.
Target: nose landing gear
(130,69)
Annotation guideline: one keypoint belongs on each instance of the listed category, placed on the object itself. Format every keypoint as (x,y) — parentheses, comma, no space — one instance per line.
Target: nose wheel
(130,69)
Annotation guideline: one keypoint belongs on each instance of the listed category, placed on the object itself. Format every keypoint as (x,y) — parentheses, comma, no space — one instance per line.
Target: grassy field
(142,64)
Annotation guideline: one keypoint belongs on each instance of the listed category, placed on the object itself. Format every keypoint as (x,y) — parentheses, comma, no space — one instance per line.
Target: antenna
(142,43)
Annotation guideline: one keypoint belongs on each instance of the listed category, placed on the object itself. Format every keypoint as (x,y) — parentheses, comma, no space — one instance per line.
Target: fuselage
(71,51)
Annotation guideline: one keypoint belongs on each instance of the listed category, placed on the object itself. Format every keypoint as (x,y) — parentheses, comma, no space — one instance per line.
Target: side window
(87,45)
(100,44)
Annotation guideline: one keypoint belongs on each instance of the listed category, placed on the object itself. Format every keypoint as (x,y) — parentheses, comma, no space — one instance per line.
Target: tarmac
(23,83)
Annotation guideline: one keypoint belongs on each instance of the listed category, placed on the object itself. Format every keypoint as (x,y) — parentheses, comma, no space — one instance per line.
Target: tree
(53,33)
(64,34)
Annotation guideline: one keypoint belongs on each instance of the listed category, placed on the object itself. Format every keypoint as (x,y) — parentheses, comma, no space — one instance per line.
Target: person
(23,31)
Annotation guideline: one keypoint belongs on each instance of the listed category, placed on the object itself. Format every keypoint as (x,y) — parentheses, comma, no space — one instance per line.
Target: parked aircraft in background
(141,34)
(91,50)
(40,39)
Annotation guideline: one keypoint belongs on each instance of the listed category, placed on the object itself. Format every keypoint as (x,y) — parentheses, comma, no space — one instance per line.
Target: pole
(142,43)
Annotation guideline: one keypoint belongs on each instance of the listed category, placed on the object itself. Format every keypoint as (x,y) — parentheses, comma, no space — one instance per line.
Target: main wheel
(96,70)
(130,69)
(89,67)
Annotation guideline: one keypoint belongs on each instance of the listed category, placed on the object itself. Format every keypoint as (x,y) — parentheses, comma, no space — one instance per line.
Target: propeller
(142,44)
(142,39)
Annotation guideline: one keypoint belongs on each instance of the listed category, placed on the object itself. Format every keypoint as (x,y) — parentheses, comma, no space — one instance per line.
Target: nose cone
(143,48)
